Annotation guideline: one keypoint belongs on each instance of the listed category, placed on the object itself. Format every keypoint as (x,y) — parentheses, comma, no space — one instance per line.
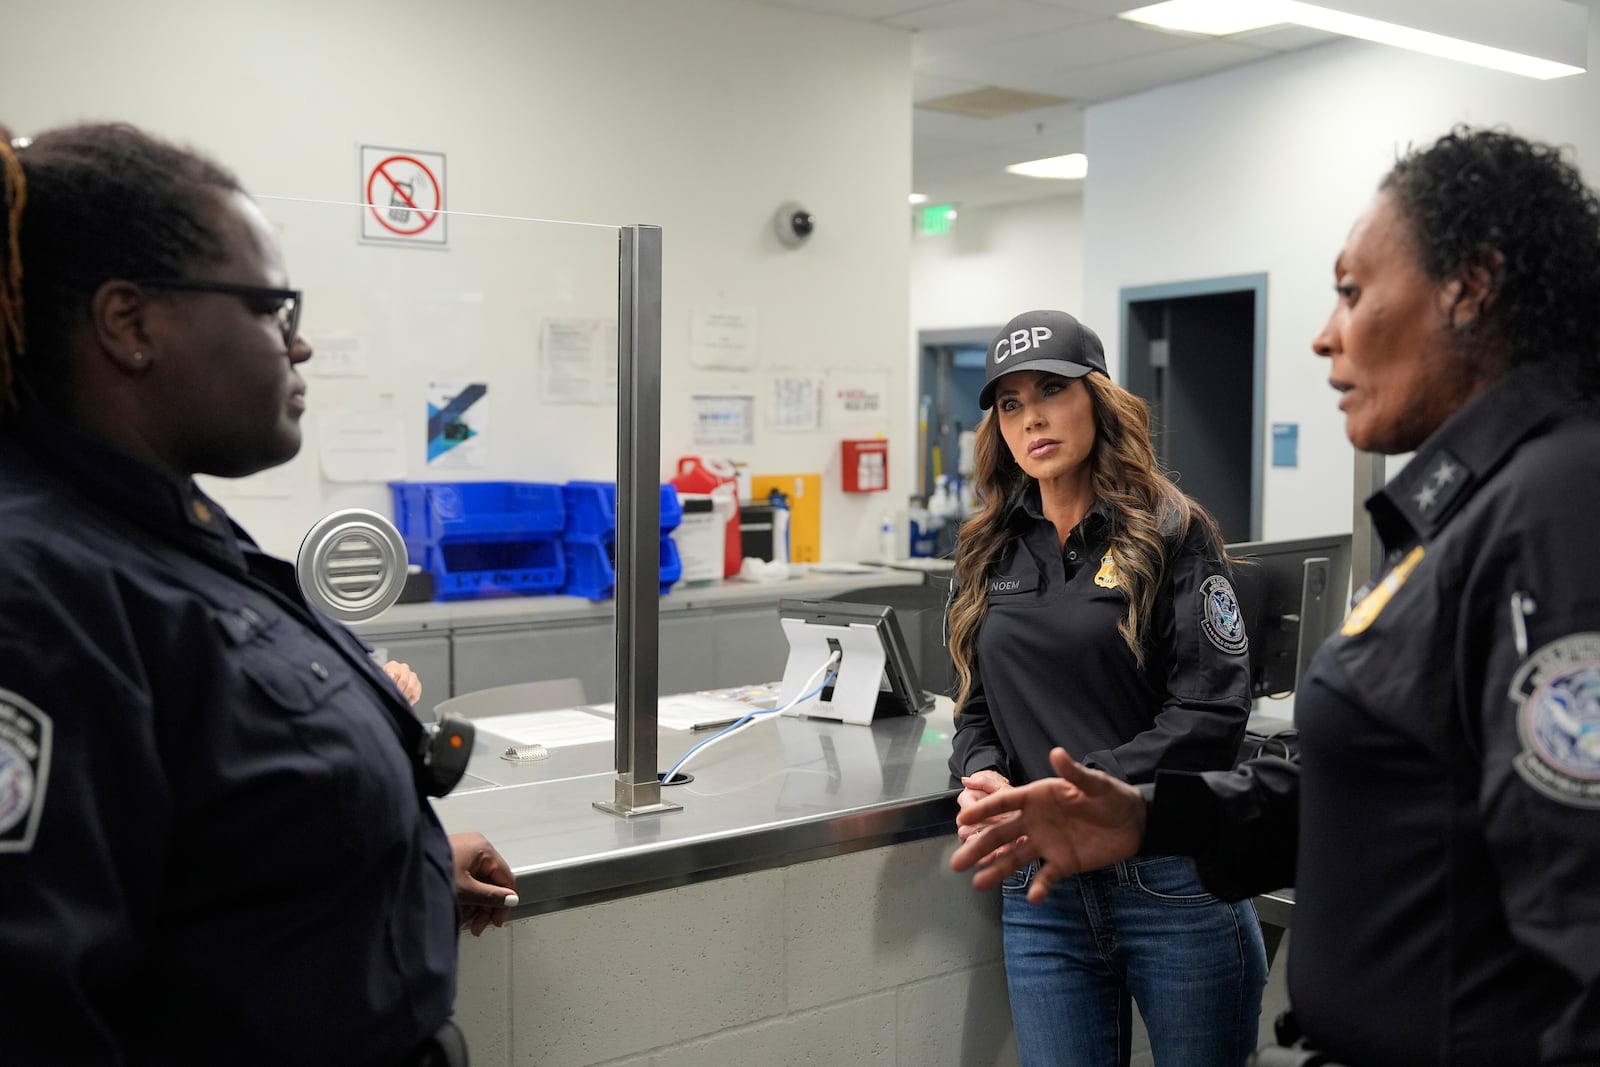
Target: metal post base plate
(660,807)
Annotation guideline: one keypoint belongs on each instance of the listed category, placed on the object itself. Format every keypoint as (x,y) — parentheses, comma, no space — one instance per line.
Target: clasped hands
(1079,821)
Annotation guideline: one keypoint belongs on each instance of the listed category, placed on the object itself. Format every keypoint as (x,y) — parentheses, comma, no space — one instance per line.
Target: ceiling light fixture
(1557,27)
(1210,17)
(919,198)
(1071,166)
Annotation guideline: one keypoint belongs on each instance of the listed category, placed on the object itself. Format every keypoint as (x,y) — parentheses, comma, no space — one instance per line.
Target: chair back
(509,699)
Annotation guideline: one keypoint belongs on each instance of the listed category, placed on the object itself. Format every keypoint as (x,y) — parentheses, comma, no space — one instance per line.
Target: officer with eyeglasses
(215,840)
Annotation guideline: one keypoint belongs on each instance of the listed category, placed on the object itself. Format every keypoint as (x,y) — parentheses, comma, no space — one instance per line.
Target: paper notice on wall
(852,397)
(796,402)
(458,422)
(338,355)
(578,361)
(361,446)
(723,338)
(724,419)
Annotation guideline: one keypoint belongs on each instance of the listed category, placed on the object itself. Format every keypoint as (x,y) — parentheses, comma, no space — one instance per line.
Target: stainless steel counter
(781,792)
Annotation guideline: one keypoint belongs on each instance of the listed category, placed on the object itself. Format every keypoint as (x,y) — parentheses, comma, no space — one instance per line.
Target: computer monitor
(1293,595)
(875,675)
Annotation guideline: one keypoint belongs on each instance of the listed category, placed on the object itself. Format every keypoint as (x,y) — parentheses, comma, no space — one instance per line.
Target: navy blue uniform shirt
(1051,668)
(212,844)
(1448,864)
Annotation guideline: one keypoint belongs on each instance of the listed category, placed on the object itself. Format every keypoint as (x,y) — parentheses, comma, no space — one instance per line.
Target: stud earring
(138,355)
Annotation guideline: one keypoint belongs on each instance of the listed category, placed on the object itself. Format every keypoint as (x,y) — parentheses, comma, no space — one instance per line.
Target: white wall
(1263,168)
(998,261)
(700,116)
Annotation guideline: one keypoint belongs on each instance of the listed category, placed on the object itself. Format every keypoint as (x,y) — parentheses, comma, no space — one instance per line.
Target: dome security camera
(793,224)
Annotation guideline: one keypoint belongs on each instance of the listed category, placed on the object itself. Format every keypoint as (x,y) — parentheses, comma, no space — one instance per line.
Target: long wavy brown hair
(1148,513)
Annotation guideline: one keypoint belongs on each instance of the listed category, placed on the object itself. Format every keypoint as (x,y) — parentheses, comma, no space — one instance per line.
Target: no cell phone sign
(403,190)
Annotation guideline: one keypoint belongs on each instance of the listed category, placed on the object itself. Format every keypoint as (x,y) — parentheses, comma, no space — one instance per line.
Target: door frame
(957,337)
(1232,283)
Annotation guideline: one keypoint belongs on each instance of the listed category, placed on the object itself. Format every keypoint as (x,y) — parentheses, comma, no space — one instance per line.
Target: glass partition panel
(440,373)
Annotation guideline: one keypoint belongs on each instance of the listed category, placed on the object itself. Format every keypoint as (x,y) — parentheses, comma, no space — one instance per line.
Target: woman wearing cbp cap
(1092,610)
(1441,825)
(214,847)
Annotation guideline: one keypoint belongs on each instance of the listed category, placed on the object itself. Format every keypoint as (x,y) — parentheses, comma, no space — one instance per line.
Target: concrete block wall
(882,956)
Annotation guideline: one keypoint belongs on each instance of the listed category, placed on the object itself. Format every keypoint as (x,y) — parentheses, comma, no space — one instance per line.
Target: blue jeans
(1143,929)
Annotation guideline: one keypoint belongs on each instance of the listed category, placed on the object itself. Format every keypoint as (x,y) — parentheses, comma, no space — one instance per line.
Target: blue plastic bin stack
(590,539)
(484,539)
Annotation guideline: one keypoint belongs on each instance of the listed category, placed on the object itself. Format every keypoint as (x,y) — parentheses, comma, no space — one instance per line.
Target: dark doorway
(1196,353)
(951,377)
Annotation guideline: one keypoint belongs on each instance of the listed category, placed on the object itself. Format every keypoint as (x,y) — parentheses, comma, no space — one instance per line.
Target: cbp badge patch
(1220,617)
(1557,691)
(24,770)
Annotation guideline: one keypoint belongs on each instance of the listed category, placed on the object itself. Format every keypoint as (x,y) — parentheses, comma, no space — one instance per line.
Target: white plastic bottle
(888,541)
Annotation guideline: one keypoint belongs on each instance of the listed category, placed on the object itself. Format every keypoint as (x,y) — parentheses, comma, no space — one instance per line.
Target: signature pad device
(875,675)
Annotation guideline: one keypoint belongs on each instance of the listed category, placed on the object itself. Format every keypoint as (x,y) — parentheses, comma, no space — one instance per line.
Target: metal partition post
(1366,551)
(638,547)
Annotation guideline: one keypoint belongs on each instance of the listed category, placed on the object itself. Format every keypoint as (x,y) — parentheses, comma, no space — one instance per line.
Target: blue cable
(751,717)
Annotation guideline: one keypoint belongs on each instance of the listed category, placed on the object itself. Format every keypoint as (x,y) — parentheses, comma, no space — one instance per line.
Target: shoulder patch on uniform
(1557,693)
(1220,617)
(24,770)
(1106,577)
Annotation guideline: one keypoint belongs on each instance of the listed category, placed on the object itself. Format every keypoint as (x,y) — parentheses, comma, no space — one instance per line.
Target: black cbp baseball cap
(1042,340)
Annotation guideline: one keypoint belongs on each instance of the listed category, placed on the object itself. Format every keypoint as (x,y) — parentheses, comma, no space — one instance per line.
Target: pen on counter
(719,724)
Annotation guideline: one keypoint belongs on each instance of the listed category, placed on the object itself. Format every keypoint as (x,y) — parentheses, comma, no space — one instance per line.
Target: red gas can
(716,477)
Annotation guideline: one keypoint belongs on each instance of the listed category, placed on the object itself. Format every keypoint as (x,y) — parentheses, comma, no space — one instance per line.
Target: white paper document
(361,446)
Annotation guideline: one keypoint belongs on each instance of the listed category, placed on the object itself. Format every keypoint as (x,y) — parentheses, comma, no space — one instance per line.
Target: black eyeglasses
(285,303)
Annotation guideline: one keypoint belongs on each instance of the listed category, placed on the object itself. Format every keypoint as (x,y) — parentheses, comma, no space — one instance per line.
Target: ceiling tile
(859,9)
(931,87)
(1284,38)
(1098,8)
(1008,18)
(1103,41)
(1108,80)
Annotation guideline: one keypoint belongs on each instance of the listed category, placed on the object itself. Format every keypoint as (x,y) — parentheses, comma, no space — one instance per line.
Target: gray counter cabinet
(483,660)
(710,637)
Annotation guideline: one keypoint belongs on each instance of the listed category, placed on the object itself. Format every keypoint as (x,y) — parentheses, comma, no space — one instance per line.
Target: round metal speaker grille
(352,564)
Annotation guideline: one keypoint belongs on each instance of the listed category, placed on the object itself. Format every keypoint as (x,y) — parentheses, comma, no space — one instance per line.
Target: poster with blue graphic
(458,421)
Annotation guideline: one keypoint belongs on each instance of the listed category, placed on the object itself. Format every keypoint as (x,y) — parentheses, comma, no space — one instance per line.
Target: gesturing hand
(1082,820)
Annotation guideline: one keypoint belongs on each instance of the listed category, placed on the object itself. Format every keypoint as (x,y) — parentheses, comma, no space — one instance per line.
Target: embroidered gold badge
(1374,602)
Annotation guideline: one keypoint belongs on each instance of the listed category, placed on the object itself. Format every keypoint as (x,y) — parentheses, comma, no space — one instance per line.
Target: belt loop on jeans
(1124,874)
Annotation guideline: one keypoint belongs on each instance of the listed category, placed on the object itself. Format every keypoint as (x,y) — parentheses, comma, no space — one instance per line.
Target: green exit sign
(936,218)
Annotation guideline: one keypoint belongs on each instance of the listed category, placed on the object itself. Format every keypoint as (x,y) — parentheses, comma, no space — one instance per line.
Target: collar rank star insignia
(1557,693)
(1220,617)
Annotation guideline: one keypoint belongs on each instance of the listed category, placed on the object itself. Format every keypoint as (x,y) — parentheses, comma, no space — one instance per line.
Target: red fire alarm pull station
(865,466)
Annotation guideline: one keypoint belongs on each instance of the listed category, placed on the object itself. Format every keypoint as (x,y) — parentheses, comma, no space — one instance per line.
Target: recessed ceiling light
(1075,165)
(1433,44)
(1215,18)
(919,198)
(1219,18)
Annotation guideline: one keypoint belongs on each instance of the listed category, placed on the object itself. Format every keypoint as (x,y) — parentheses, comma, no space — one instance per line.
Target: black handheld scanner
(442,755)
